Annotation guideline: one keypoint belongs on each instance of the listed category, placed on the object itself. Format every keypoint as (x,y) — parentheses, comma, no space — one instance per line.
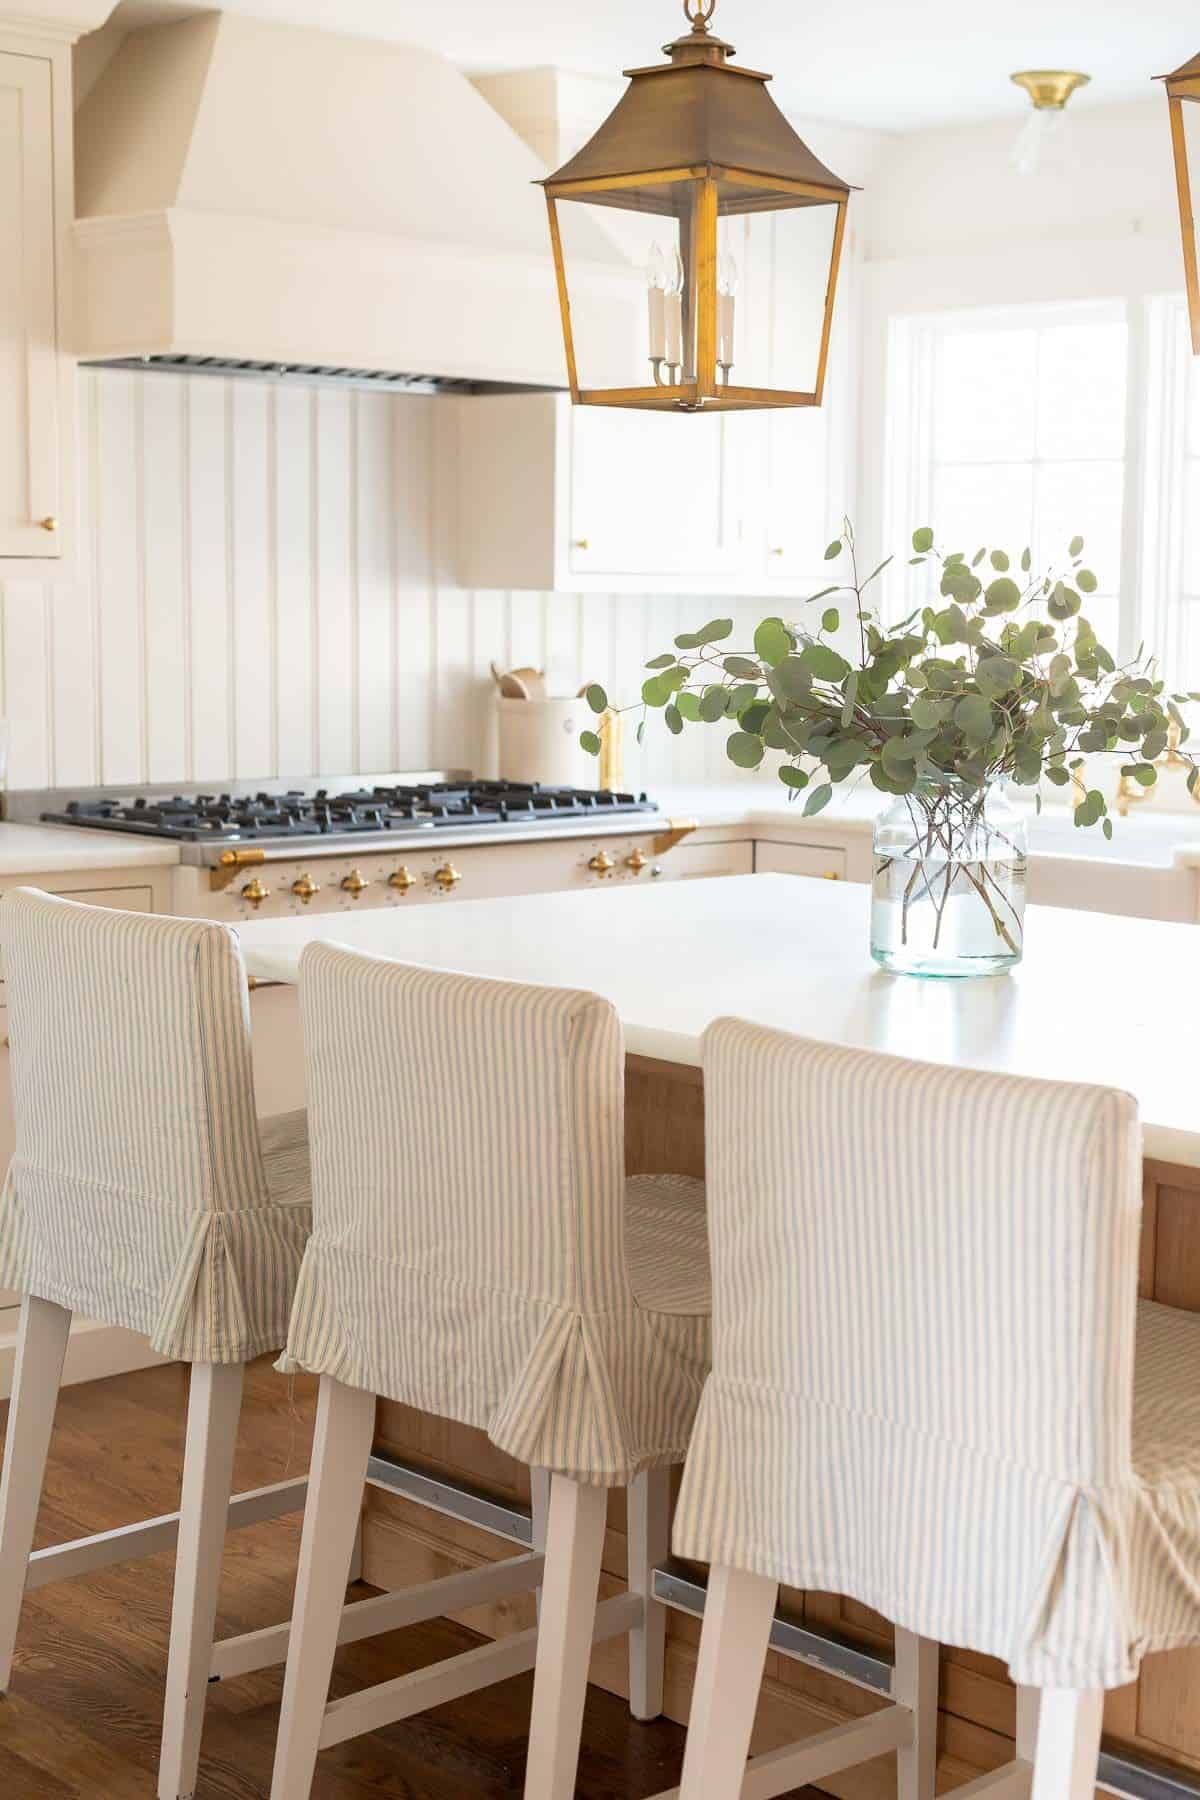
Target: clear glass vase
(949,886)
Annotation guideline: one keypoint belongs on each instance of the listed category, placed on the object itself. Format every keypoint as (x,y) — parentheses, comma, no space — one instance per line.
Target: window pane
(1082,499)
(1190,576)
(1081,390)
(985,396)
(983,503)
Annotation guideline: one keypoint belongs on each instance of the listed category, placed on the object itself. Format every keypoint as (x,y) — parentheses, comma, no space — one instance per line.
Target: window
(1007,427)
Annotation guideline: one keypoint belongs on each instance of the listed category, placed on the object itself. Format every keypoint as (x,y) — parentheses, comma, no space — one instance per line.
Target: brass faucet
(612,751)
(1132,793)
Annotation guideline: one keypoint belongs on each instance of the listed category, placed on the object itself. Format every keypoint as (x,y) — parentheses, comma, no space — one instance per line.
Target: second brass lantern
(1183,91)
(697,179)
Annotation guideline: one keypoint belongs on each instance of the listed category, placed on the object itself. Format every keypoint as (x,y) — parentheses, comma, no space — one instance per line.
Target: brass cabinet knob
(353,883)
(635,861)
(601,863)
(255,893)
(776,549)
(580,544)
(447,877)
(304,887)
(400,879)
(831,875)
(49,523)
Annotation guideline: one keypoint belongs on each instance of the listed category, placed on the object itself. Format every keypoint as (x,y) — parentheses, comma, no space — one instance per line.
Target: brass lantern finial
(698,13)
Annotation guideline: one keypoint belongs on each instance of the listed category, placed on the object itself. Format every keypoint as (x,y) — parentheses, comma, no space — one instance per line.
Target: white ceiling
(866,62)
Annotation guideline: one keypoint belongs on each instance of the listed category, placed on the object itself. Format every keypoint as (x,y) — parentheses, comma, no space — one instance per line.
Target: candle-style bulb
(727,281)
(674,309)
(656,301)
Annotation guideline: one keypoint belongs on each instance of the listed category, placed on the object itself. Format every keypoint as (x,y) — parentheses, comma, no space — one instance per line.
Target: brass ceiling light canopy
(1042,142)
(732,230)
(1183,85)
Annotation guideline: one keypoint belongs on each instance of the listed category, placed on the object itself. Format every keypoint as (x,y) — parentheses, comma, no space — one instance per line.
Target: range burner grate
(223,818)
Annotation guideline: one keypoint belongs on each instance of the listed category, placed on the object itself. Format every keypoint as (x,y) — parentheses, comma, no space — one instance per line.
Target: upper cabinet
(554,497)
(36,424)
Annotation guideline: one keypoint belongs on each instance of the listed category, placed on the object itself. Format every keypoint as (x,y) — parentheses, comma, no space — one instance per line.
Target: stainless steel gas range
(344,842)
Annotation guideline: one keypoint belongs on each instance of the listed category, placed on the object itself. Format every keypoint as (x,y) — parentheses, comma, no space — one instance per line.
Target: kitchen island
(1095,1000)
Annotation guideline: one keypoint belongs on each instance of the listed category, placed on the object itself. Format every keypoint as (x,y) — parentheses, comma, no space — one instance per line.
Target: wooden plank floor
(83,1714)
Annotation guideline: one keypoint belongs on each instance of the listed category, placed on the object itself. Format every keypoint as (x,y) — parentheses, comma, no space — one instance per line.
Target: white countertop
(55,849)
(1149,837)
(1093,1000)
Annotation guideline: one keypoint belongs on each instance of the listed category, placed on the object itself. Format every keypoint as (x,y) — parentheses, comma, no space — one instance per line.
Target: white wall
(266,588)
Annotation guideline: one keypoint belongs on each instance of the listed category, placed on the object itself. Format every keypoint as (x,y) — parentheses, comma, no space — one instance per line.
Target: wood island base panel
(1154,1723)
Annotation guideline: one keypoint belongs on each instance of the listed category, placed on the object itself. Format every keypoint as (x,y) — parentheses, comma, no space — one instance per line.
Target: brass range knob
(304,887)
(255,893)
(601,863)
(636,861)
(400,879)
(353,883)
(447,877)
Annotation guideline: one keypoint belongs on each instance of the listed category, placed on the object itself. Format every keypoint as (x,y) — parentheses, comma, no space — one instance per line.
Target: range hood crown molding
(265,194)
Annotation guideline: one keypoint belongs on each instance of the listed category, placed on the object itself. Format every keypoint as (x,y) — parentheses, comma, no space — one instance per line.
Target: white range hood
(270,198)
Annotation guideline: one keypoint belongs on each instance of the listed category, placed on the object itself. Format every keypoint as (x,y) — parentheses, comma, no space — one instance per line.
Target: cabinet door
(29,423)
(652,494)
(824,860)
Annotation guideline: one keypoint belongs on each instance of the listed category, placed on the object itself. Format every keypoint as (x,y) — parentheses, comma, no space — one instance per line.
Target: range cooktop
(355,813)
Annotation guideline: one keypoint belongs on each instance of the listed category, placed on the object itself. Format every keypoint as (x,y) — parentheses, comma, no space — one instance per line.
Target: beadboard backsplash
(265,586)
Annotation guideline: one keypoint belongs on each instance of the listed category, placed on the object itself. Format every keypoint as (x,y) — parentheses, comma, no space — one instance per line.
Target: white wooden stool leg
(915,1685)
(574,1548)
(649,1536)
(1068,1744)
(214,1407)
(733,1648)
(539,1508)
(338,1471)
(41,1346)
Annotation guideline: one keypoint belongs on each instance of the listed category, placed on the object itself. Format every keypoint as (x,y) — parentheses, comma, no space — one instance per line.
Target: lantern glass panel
(632,314)
(773,268)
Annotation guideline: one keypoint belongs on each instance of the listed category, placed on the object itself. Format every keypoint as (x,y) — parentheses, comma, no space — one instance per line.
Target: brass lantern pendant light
(696,242)
(1183,85)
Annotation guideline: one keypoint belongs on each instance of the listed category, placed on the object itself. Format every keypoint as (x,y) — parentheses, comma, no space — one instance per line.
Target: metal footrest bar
(1122,1773)
(391,1701)
(386,1612)
(128,1543)
(679,1587)
(456,1499)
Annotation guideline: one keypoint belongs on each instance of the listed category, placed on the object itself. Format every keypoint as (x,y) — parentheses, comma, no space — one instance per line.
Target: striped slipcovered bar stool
(478,1253)
(142,1192)
(934,1390)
